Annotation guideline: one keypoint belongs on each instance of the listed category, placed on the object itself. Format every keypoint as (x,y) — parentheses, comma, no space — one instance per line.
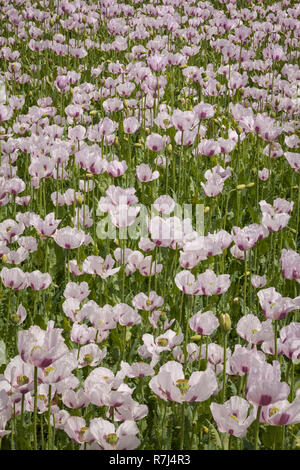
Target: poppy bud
(169,148)
(218,86)
(225,322)
(196,337)
(79,198)
(206,210)
(250,185)
(240,186)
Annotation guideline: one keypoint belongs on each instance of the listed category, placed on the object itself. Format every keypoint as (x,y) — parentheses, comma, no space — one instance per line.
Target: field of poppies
(149,225)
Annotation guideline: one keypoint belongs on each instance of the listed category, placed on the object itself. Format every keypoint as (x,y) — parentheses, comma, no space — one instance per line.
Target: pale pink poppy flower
(28,243)
(233,416)
(97,265)
(274,306)
(185,281)
(155,142)
(290,340)
(131,125)
(204,323)
(75,400)
(215,354)
(148,267)
(243,359)
(293,160)
(143,302)
(77,291)
(71,307)
(116,168)
(58,417)
(19,375)
(211,284)
(126,315)
(250,328)
(75,427)
(183,120)
(16,257)
(83,217)
(130,410)
(146,244)
(9,229)
(290,264)
(14,278)
(20,315)
(38,281)
(69,238)
(156,318)
(58,371)
(292,141)
(264,174)
(41,347)
(48,226)
(74,268)
(157,62)
(258,281)
(112,105)
(247,237)
(264,386)
(145,174)
(90,355)
(165,342)
(124,215)
(213,186)
(82,334)
(76,133)
(283,413)
(208,147)
(108,438)
(170,384)
(164,204)
(134,261)
(140,369)
(163,120)
(15,186)
(6,112)
(204,110)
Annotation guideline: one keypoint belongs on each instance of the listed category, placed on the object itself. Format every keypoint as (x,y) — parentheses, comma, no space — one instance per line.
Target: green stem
(35,408)
(257,428)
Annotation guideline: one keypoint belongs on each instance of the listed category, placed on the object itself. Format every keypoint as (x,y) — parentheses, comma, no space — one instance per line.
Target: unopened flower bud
(79,198)
(4,258)
(239,129)
(218,86)
(169,148)
(240,186)
(196,338)
(225,322)
(250,185)
(206,210)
